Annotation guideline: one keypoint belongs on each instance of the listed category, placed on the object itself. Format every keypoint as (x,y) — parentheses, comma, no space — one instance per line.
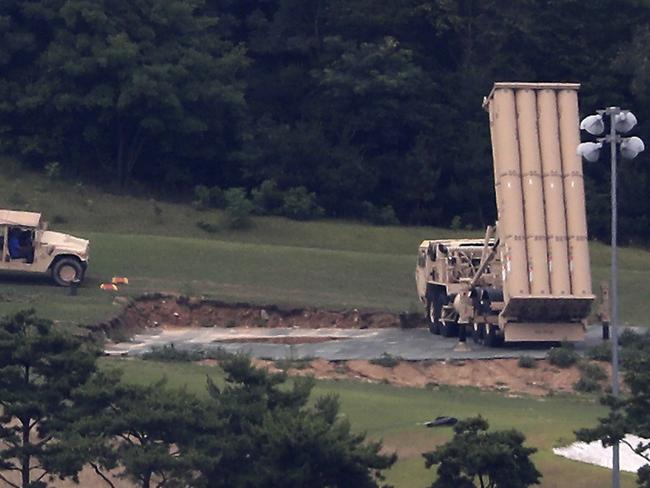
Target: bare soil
(177,311)
(489,374)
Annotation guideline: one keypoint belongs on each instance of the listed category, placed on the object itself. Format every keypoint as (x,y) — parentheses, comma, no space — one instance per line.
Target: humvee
(27,246)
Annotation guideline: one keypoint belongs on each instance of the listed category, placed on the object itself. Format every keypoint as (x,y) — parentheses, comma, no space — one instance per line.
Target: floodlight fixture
(624,121)
(631,147)
(593,124)
(590,150)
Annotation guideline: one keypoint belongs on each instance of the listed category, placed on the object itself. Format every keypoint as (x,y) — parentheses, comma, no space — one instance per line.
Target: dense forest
(373,106)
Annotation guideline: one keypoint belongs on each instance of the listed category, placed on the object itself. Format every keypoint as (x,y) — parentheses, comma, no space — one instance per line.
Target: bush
(208,227)
(385,360)
(267,198)
(563,357)
(629,337)
(379,215)
(201,197)
(601,352)
(456,223)
(590,379)
(205,197)
(300,204)
(53,170)
(238,209)
(59,219)
(169,353)
(527,362)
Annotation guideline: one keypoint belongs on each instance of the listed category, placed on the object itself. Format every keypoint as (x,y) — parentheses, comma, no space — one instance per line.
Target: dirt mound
(158,310)
(494,374)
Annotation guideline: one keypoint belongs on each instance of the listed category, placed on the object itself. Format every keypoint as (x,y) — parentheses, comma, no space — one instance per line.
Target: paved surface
(340,344)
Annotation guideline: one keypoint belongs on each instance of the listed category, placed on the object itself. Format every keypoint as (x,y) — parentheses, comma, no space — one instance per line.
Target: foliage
(591,377)
(491,459)
(563,357)
(40,369)
(385,360)
(300,204)
(379,215)
(209,227)
(142,431)
(284,441)
(600,352)
(169,353)
(628,414)
(267,198)
(238,208)
(358,101)
(53,170)
(527,362)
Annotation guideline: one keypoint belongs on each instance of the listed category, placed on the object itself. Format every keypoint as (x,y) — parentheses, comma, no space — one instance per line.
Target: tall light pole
(619,121)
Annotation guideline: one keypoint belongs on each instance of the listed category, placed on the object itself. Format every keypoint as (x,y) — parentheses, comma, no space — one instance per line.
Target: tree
(116,79)
(40,368)
(629,414)
(491,459)
(269,436)
(141,433)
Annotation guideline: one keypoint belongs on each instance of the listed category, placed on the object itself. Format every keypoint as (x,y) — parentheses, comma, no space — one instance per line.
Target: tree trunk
(25,458)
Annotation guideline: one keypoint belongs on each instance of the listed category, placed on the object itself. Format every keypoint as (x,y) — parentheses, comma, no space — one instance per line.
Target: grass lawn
(393,414)
(160,248)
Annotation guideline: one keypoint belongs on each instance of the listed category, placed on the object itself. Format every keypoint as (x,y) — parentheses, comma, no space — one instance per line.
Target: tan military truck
(28,247)
(529,279)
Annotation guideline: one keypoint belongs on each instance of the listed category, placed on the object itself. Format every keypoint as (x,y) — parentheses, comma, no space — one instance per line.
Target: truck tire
(67,270)
(434,309)
(492,339)
(449,328)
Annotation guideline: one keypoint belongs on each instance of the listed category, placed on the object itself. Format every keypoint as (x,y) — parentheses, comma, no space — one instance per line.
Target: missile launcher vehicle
(529,278)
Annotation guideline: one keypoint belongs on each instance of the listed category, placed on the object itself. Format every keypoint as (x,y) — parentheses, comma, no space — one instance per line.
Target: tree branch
(101,475)
(13,485)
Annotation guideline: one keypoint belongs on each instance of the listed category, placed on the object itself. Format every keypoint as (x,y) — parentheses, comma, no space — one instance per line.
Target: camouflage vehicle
(529,279)
(28,247)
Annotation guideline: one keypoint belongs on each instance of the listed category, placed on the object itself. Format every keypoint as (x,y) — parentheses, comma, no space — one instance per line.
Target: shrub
(208,227)
(267,198)
(527,362)
(53,170)
(590,379)
(593,371)
(629,337)
(59,219)
(217,197)
(201,197)
(385,360)
(456,223)
(169,353)
(563,357)
(238,208)
(379,215)
(300,204)
(601,352)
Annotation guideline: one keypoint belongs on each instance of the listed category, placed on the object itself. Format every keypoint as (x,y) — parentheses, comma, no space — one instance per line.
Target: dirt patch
(156,310)
(495,374)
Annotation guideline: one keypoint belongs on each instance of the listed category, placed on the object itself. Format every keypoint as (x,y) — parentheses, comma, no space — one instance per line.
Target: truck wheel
(433,314)
(492,339)
(449,328)
(67,270)
(478,333)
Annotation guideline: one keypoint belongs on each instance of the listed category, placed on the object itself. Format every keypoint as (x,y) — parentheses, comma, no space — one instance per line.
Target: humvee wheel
(433,315)
(66,270)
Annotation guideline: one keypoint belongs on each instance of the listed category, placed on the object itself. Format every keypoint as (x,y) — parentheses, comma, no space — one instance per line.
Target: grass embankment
(394,414)
(159,247)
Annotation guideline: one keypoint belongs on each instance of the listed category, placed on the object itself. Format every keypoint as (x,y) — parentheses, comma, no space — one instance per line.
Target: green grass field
(393,414)
(325,263)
